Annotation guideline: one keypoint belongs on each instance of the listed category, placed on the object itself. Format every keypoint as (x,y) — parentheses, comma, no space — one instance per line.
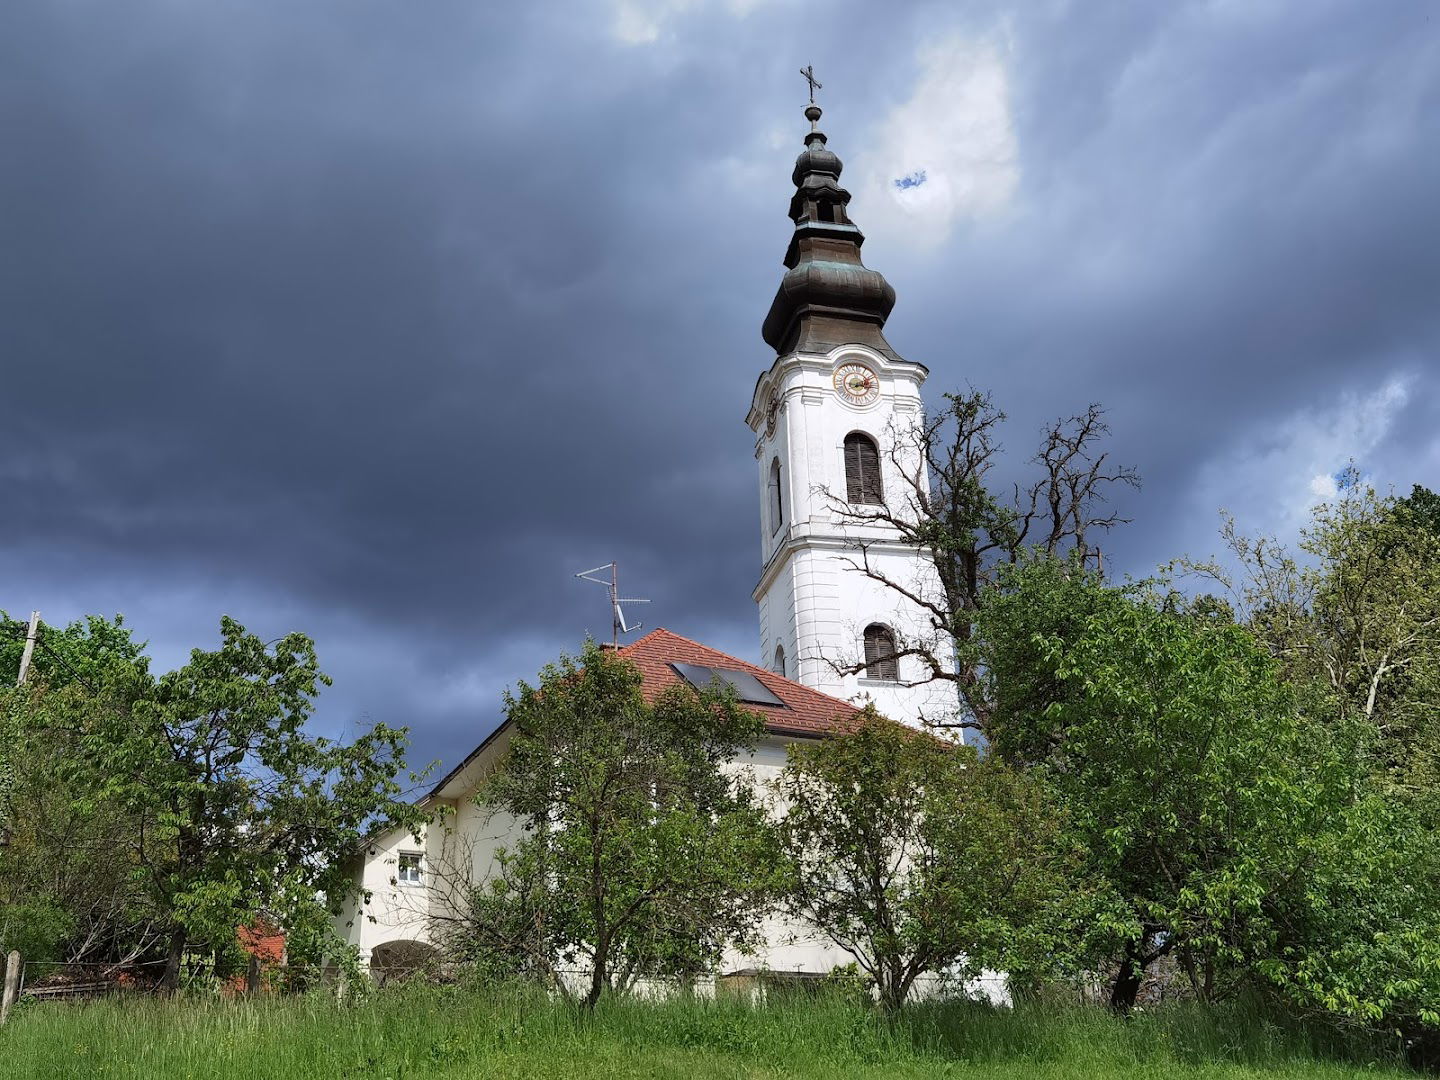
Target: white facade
(814,601)
(400,920)
(396,912)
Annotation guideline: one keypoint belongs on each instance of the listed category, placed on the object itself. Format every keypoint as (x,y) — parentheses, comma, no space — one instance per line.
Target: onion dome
(827,297)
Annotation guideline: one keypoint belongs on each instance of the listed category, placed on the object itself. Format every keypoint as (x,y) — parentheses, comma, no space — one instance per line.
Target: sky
(380,320)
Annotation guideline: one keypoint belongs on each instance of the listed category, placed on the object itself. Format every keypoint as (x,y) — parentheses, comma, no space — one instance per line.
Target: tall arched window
(777,503)
(862,469)
(880,659)
(779,665)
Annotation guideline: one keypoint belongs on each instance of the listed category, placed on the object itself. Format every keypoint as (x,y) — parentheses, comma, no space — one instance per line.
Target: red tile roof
(805,712)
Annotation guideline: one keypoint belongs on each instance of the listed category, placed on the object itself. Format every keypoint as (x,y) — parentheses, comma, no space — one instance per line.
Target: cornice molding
(823,364)
(818,542)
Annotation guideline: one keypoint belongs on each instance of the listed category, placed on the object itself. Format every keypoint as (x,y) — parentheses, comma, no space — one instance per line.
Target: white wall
(788,945)
(458,849)
(394,911)
(796,946)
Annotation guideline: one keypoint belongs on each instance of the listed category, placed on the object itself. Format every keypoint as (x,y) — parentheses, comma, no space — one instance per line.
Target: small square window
(408,872)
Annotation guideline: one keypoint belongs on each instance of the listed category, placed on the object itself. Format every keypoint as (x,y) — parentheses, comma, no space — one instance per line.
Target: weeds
(451,1033)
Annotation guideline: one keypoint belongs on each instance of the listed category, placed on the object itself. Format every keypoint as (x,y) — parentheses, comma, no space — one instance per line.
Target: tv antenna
(618,625)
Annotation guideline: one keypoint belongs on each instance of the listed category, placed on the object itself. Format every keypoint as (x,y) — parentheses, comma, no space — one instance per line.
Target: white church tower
(829,418)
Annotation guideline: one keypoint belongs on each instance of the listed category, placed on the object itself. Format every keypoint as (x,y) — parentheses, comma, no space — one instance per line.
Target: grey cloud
(381,324)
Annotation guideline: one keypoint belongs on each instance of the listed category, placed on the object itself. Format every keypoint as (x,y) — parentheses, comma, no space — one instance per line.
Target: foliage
(1187,771)
(1420,509)
(918,857)
(68,888)
(642,855)
(1373,632)
(1362,940)
(196,800)
(1354,618)
(86,651)
(247,813)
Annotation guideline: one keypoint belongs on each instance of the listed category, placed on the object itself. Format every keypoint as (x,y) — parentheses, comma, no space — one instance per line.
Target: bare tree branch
(944,506)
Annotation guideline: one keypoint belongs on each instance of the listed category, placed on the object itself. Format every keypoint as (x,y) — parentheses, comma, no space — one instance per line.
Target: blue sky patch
(914,180)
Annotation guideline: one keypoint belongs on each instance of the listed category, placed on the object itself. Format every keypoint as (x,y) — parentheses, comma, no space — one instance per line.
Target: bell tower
(830,417)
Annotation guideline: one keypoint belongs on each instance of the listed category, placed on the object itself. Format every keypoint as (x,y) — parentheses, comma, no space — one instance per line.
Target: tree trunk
(1126,987)
(890,996)
(597,980)
(170,979)
(890,985)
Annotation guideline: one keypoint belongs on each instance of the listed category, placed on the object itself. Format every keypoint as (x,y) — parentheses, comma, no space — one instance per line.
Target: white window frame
(418,867)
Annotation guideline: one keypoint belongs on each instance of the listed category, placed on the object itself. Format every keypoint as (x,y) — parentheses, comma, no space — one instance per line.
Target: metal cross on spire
(809,72)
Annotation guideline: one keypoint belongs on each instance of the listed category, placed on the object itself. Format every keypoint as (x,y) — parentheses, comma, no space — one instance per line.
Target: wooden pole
(12,984)
(29,647)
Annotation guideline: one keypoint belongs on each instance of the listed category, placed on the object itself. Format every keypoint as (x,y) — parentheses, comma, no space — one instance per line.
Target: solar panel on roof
(747,687)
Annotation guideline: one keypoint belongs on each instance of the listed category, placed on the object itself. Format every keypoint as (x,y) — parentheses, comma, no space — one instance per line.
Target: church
(829,418)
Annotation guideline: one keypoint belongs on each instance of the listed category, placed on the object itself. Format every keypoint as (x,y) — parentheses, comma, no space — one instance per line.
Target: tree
(1421,509)
(644,854)
(1353,622)
(1356,619)
(1186,768)
(1360,936)
(1375,626)
(944,505)
(918,857)
(85,651)
(68,871)
(230,808)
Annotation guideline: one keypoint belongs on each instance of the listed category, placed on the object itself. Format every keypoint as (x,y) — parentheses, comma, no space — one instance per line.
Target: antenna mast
(618,625)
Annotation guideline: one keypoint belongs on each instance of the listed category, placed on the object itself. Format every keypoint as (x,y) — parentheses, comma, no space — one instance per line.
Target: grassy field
(448,1034)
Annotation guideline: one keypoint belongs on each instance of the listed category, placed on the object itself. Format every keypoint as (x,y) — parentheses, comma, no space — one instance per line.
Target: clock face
(772,411)
(857,384)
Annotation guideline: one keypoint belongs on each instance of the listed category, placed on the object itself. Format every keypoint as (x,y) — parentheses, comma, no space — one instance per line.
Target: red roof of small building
(262,940)
(805,711)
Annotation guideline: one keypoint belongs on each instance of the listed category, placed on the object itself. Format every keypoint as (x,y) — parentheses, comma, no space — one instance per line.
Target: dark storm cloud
(381,321)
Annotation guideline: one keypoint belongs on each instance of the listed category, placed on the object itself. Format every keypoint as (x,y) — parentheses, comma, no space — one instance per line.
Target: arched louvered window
(779,665)
(777,503)
(880,659)
(862,469)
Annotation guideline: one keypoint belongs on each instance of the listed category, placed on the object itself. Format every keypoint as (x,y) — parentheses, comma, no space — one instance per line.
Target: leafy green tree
(1421,509)
(226,807)
(87,650)
(1361,929)
(644,854)
(68,866)
(1353,620)
(1374,626)
(1355,616)
(918,857)
(1186,769)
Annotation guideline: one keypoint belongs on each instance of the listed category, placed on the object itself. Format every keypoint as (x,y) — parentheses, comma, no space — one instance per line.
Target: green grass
(450,1034)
